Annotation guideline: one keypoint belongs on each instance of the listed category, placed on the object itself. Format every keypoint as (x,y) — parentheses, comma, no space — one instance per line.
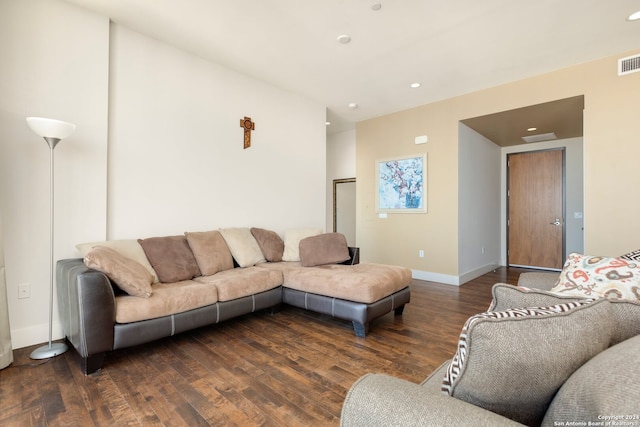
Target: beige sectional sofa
(128,292)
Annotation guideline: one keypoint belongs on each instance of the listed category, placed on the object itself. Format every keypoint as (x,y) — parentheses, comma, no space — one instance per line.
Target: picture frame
(401,184)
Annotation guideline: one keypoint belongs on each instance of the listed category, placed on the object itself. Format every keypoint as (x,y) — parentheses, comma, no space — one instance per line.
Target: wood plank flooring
(293,368)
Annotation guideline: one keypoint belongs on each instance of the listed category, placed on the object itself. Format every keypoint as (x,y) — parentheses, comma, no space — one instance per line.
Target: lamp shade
(50,128)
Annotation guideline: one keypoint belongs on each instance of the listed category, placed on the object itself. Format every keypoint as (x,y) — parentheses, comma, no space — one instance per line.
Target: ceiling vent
(628,65)
(539,137)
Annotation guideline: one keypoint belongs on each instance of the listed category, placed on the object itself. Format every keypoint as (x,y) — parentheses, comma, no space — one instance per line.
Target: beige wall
(611,150)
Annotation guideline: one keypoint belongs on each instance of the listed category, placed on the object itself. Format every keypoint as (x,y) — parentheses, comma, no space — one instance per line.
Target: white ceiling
(452,47)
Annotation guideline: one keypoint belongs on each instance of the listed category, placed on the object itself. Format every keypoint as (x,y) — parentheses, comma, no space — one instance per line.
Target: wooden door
(535,209)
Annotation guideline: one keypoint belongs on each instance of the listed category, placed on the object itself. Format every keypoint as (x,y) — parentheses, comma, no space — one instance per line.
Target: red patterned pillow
(597,277)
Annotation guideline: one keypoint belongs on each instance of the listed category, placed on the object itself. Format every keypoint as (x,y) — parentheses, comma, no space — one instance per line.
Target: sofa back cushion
(210,251)
(271,245)
(328,248)
(624,313)
(171,258)
(292,240)
(607,385)
(127,247)
(513,362)
(127,274)
(243,246)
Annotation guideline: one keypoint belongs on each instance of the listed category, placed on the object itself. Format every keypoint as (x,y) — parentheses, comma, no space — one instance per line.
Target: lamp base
(49,350)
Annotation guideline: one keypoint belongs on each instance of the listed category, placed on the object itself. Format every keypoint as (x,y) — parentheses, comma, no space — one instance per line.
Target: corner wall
(158,149)
(610,150)
(54,64)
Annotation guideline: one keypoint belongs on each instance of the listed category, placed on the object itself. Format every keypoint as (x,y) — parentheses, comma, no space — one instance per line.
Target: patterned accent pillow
(513,362)
(632,256)
(597,277)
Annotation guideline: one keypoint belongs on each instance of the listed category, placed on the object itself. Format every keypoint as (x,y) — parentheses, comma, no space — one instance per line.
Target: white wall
(54,63)
(158,149)
(176,157)
(478,204)
(341,163)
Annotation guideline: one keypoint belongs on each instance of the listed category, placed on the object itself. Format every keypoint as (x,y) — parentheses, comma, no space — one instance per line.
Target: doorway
(344,208)
(536,209)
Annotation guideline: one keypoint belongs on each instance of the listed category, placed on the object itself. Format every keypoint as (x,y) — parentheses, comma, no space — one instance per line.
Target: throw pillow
(243,246)
(271,245)
(632,256)
(624,313)
(127,274)
(597,276)
(171,258)
(210,250)
(127,247)
(513,362)
(506,297)
(328,248)
(292,241)
(606,386)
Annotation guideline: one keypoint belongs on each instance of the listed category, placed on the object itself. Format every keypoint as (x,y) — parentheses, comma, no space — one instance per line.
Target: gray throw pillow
(513,362)
(607,385)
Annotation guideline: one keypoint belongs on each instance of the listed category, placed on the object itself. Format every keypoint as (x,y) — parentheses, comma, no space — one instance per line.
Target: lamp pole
(52,131)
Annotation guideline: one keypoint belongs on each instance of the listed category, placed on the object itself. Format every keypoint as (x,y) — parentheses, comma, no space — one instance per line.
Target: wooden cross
(248,126)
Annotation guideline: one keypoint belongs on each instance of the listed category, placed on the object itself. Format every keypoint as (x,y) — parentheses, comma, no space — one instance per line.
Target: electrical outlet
(24,291)
(421,253)
(482,250)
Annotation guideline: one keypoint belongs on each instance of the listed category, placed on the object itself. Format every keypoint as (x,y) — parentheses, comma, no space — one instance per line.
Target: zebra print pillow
(512,362)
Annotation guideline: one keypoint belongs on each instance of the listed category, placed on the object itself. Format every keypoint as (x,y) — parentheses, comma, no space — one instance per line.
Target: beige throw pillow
(210,250)
(243,246)
(130,248)
(292,239)
(127,274)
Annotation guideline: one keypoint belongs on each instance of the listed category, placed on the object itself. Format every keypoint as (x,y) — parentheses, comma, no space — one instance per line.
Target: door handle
(556,222)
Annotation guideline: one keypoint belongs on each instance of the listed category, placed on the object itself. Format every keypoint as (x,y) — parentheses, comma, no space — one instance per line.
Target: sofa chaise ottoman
(128,292)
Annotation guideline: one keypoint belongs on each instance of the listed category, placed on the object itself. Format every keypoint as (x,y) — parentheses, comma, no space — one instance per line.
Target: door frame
(564,204)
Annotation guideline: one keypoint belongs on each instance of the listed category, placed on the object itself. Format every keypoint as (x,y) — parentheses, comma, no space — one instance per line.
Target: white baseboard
(36,334)
(448,279)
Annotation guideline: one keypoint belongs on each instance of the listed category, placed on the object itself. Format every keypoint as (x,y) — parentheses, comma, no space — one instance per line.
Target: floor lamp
(53,131)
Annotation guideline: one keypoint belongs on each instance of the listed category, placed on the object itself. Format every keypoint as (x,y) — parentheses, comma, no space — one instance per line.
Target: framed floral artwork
(402,185)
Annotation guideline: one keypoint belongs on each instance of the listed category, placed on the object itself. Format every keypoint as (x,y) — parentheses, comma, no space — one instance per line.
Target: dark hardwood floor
(292,368)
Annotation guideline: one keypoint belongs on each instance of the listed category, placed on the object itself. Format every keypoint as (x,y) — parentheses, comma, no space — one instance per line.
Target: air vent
(628,65)
(539,137)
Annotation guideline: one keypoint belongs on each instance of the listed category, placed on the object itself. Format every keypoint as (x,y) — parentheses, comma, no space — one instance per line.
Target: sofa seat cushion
(365,283)
(606,389)
(242,282)
(167,299)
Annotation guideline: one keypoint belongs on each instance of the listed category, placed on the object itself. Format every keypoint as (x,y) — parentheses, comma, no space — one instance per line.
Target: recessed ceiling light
(344,39)
(327,123)
(634,16)
(416,85)
(353,106)
(532,129)
(376,6)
